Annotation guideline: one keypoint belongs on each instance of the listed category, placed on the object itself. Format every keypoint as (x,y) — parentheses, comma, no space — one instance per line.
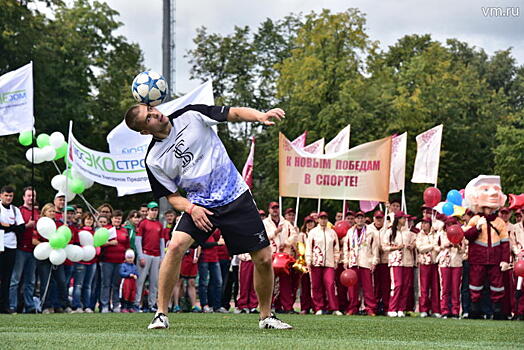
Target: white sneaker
(401,314)
(68,310)
(116,309)
(223,310)
(423,314)
(237,311)
(105,310)
(437,315)
(392,314)
(160,321)
(337,313)
(318,313)
(77,311)
(88,311)
(207,309)
(272,322)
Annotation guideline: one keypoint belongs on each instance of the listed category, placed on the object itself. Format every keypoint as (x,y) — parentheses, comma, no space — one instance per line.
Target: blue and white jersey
(194,159)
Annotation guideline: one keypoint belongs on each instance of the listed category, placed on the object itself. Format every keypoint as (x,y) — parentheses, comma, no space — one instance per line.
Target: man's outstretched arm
(245,114)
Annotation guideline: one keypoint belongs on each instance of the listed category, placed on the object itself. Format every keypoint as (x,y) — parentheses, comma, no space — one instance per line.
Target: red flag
(247,172)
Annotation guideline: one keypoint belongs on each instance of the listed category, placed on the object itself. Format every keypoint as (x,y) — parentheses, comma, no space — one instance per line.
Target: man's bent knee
(262,257)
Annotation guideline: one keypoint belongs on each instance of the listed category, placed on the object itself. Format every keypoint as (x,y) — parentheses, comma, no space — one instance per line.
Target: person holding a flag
(186,153)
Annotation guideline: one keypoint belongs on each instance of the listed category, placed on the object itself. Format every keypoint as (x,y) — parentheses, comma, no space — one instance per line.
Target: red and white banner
(300,142)
(340,143)
(247,172)
(360,173)
(428,156)
(316,147)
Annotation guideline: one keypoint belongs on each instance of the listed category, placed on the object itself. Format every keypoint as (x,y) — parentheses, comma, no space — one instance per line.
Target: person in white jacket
(428,248)
(361,254)
(322,255)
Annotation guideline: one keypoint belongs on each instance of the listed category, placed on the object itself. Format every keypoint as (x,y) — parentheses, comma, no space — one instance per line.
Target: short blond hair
(46,208)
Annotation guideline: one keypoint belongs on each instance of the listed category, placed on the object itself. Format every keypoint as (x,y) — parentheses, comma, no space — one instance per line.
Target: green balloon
(67,173)
(77,186)
(57,241)
(42,140)
(61,151)
(65,232)
(25,138)
(101,237)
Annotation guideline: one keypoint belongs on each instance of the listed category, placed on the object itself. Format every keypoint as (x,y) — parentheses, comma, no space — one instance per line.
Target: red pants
(323,283)
(450,281)
(342,290)
(288,290)
(128,289)
(306,302)
(519,309)
(382,282)
(247,297)
(508,302)
(364,282)
(401,277)
(429,289)
(478,274)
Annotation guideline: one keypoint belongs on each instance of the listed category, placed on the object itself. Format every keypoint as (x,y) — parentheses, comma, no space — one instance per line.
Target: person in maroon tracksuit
(247,301)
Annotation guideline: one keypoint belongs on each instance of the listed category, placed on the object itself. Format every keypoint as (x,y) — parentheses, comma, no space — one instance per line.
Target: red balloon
(348,277)
(518,269)
(432,196)
(455,234)
(341,228)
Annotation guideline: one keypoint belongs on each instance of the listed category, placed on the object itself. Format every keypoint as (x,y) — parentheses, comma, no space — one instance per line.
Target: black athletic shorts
(239,222)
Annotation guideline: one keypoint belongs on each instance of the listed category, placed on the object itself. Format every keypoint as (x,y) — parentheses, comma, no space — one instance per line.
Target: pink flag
(340,143)
(316,147)
(397,170)
(366,206)
(300,141)
(247,172)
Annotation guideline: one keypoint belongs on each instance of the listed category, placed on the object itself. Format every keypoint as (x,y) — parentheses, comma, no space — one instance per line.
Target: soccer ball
(150,88)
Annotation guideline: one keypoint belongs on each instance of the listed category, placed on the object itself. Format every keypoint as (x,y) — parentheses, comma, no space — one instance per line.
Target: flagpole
(280,205)
(318,206)
(344,208)
(67,168)
(296,211)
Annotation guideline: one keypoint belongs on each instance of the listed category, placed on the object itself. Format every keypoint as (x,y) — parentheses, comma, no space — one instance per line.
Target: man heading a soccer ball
(187,154)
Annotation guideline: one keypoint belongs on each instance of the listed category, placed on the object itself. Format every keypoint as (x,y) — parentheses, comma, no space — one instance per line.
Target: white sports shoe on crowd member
(160,321)
(116,309)
(222,310)
(423,314)
(437,315)
(207,309)
(272,322)
(77,311)
(392,314)
(105,310)
(401,314)
(337,313)
(88,311)
(237,311)
(318,313)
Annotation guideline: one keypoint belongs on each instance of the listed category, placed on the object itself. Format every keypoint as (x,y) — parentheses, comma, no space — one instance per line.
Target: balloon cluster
(70,183)
(50,147)
(58,249)
(451,207)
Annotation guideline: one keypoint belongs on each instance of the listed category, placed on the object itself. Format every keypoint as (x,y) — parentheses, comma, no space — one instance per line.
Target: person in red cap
(450,265)
(322,255)
(306,302)
(428,248)
(361,254)
(381,276)
(400,243)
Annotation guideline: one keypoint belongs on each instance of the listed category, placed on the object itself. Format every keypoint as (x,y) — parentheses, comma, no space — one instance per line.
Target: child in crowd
(129,274)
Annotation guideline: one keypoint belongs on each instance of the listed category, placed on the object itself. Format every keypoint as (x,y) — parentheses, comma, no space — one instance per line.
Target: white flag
(316,147)
(247,172)
(397,171)
(428,156)
(340,143)
(16,101)
(123,140)
(300,142)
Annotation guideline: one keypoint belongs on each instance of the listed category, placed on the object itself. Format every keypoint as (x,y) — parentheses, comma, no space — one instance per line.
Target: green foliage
(82,72)
(329,73)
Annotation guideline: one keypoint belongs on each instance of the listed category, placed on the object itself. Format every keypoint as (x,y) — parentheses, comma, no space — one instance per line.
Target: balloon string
(57,168)
(91,209)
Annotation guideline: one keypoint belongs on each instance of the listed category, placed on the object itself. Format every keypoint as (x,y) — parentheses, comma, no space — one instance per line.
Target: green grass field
(219,331)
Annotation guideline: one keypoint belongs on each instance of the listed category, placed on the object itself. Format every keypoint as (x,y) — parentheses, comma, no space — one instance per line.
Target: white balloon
(57,256)
(86,238)
(56,139)
(88,183)
(48,153)
(69,196)
(89,252)
(45,227)
(78,175)
(42,251)
(34,155)
(74,253)
(58,182)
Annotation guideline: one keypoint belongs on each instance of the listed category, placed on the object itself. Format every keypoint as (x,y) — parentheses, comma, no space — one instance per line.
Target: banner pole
(318,206)
(67,168)
(280,205)
(296,211)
